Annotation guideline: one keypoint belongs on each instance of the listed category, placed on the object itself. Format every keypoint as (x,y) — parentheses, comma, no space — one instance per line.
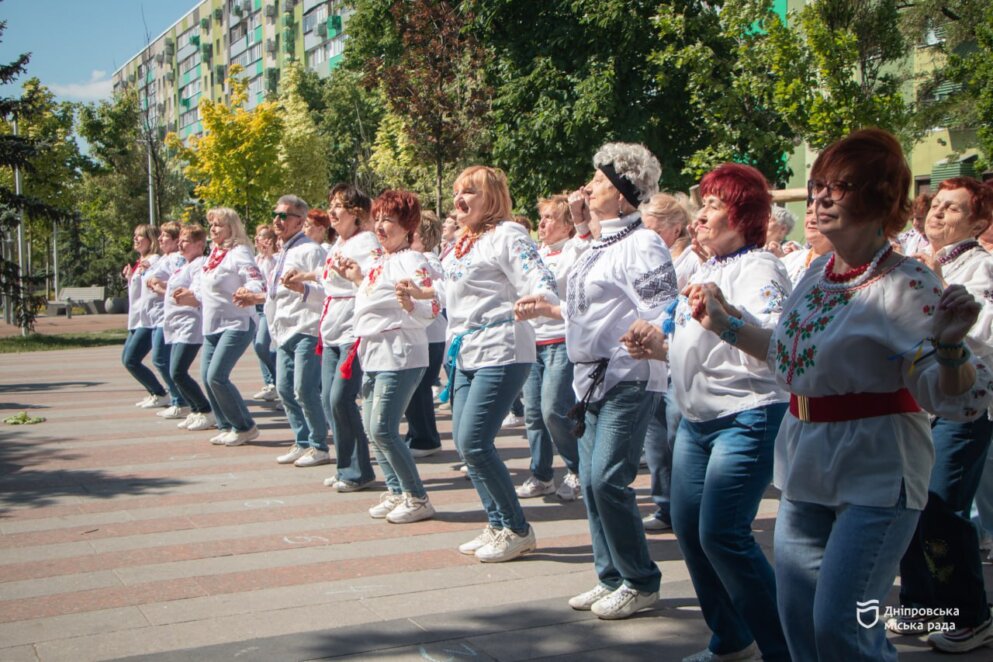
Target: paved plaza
(123,536)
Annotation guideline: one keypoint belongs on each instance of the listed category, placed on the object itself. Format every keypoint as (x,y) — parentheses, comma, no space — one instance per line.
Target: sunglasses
(283,215)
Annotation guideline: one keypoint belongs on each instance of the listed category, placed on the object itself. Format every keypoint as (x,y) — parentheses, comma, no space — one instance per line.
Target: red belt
(852,406)
(553,341)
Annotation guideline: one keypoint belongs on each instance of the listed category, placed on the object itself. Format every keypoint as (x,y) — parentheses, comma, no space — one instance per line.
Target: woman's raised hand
(957,312)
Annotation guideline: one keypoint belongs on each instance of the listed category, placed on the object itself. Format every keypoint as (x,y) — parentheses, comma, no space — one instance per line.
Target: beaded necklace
(618,236)
(217,255)
(958,250)
(859,275)
(466,241)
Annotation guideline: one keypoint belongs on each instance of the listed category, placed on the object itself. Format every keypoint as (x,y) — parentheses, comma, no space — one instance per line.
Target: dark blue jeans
(950,575)
(136,347)
(659,441)
(422,428)
(263,345)
(548,397)
(609,452)
(338,399)
(720,470)
(481,399)
(180,359)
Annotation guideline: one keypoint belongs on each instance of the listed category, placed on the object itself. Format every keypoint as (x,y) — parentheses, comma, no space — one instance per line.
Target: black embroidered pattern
(657,286)
(576,301)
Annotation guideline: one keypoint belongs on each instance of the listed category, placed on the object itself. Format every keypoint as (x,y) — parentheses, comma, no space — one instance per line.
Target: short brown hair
(354,200)
(171,228)
(194,231)
(429,230)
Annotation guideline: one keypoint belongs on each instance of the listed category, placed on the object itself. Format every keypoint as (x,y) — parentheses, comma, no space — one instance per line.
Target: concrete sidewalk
(123,536)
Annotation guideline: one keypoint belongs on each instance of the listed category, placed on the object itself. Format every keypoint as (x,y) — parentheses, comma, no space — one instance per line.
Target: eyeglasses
(836,190)
(283,215)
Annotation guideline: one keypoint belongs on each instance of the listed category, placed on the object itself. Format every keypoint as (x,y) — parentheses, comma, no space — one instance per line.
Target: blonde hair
(231,219)
(429,230)
(171,228)
(667,208)
(559,205)
(149,232)
(491,184)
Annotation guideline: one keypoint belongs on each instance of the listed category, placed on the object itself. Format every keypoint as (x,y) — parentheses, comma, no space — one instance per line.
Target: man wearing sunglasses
(294,313)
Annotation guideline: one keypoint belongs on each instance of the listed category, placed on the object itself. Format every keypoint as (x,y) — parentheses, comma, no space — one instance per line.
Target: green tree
(351,122)
(303,149)
(236,162)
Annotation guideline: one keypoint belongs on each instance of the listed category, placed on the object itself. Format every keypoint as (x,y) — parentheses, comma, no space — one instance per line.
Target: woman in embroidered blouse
(625,276)
(854,455)
(225,290)
(667,216)
(494,263)
(797,262)
(265,249)
(140,328)
(393,349)
(959,213)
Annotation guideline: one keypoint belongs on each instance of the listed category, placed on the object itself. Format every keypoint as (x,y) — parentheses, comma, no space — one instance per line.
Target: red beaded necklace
(217,256)
(852,274)
(465,242)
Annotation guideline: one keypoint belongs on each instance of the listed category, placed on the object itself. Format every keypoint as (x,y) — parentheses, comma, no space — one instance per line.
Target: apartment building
(190,60)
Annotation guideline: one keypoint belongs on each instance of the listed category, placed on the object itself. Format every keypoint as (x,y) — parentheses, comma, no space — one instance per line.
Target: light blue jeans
(609,452)
(136,347)
(828,559)
(720,470)
(262,346)
(298,382)
(481,399)
(659,442)
(548,397)
(221,352)
(338,399)
(160,359)
(181,356)
(385,396)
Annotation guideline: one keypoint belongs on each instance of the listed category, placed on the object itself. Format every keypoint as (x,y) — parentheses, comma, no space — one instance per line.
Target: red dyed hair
(319,217)
(980,196)
(873,162)
(402,205)
(745,191)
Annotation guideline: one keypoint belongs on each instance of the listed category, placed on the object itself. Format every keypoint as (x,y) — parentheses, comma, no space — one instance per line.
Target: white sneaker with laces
(485,538)
(141,403)
(411,509)
(295,454)
(751,652)
(387,502)
(239,438)
(653,524)
(268,393)
(204,421)
(533,487)
(218,439)
(963,640)
(584,601)
(313,458)
(174,411)
(507,546)
(512,421)
(623,602)
(154,401)
(184,424)
(569,490)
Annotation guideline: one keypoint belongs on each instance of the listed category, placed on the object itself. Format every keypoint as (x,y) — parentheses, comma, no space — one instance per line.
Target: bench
(90,298)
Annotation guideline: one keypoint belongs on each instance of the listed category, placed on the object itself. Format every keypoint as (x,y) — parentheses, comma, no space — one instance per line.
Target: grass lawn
(37,342)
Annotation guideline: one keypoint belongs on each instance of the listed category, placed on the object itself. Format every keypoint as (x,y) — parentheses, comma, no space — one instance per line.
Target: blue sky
(76,45)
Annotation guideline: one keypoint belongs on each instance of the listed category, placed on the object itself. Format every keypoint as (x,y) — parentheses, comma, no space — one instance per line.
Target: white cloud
(100,86)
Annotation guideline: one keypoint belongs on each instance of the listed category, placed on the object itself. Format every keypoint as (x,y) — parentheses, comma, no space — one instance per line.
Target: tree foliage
(303,149)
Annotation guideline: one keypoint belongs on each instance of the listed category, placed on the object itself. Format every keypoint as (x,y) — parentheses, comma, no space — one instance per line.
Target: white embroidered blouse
(481,288)
(616,282)
(182,324)
(215,289)
(438,329)
(711,378)
(338,292)
(560,258)
(290,313)
(136,288)
(833,339)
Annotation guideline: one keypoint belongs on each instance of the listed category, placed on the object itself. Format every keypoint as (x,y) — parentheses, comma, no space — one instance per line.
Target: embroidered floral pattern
(915,284)
(576,301)
(774,296)
(530,259)
(683,311)
(821,307)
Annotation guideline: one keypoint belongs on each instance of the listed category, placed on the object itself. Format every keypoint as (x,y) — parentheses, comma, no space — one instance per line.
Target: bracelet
(953,363)
(940,345)
(730,335)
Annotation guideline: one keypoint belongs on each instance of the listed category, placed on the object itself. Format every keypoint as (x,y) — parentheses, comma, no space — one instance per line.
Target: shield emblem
(867,613)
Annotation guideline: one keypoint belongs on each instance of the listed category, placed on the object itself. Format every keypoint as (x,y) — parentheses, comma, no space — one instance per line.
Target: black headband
(622,184)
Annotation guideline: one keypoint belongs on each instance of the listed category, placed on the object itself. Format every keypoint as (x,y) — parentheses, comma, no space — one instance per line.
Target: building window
(189,63)
(311,20)
(238,31)
(336,46)
(317,57)
(255,87)
(189,117)
(190,90)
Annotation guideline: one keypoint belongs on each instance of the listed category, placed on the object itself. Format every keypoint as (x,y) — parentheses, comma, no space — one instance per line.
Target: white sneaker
(153,401)
(512,421)
(533,487)
(268,393)
(584,601)
(141,403)
(507,546)
(342,485)
(485,538)
(295,454)
(751,652)
(653,524)
(204,421)
(312,458)
(411,509)
(435,391)
(184,424)
(569,490)
(174,412)
(623,602)
(963,640)
(238,438)
(218,439)
(387,502)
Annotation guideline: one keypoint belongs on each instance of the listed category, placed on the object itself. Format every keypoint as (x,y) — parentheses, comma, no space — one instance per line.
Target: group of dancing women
(850,372)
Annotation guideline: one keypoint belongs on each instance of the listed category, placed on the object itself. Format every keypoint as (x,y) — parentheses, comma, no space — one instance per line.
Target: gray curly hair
(784,218)
(633,162)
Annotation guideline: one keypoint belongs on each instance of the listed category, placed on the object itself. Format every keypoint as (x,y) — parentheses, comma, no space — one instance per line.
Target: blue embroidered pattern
(527,252)
(774,296)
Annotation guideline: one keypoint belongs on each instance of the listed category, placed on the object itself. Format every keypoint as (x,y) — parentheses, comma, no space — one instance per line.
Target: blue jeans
(609,451)
(221,352)
(338,399)
(983,516)
(950,576)
(298,381)
(160,359)
(720,470)
(263,345)
(136,347)
(481,399)
(548,397)
(422,428)
(180,359)
(828,559)
(385,396)
(659,441)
